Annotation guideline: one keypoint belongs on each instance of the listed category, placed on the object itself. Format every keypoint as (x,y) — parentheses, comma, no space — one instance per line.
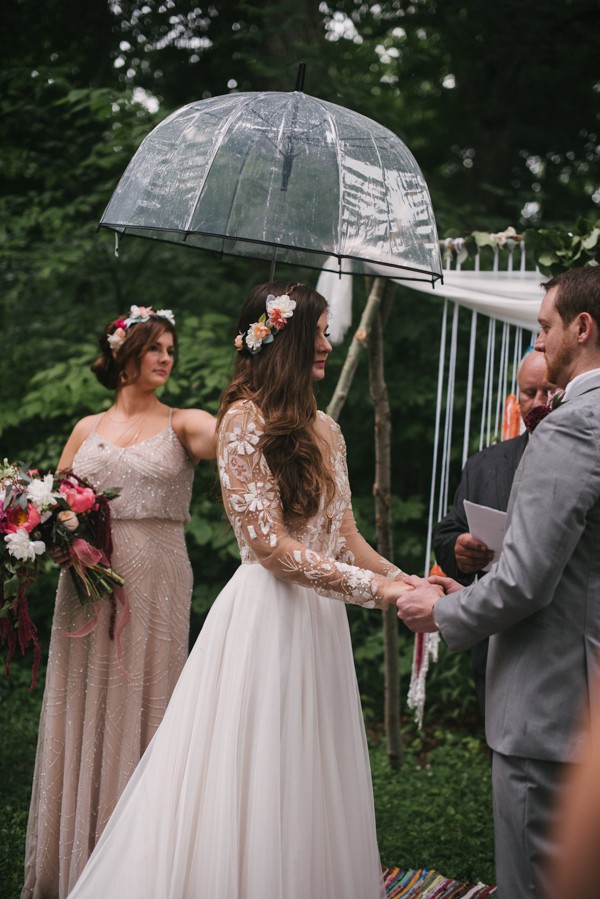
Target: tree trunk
(383,522)
(369,335)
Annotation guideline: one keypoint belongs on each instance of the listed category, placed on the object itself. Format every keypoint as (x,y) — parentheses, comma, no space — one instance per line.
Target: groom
(541,601)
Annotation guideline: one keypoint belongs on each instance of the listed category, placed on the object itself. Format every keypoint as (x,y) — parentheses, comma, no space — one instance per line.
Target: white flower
(243,442)
(257,334)
(117,339)
(166,313)
(283,304)
(257,498)
(40,493)
(21,547)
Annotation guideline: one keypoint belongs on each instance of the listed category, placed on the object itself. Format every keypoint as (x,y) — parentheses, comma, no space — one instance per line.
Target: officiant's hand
(471,554)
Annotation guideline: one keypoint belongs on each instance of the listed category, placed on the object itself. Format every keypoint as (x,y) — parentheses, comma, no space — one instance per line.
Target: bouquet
(59,516)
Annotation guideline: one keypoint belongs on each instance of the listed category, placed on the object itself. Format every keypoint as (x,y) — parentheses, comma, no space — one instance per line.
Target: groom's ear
(586,327)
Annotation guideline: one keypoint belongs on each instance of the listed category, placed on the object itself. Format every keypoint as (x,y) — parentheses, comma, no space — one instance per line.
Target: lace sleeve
(354,549)
(253,505)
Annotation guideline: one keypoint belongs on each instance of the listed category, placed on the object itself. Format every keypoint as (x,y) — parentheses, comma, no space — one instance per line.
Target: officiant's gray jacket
(541,601)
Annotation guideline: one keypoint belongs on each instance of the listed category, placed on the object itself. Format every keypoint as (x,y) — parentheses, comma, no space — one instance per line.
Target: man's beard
(557,369)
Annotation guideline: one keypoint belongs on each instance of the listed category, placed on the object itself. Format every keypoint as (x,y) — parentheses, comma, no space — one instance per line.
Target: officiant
(486,479)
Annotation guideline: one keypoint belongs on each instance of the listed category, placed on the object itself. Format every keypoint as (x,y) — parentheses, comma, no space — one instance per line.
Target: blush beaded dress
(257,783)
(104,698)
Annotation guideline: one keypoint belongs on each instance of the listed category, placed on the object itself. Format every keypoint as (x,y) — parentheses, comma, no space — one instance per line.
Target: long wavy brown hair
(279,380)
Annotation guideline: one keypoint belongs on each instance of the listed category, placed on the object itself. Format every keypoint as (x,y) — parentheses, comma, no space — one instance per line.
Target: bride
(257,783)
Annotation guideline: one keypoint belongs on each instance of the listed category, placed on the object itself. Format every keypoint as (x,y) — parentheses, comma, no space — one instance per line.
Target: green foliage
(19,714)
(436,812)
(557,249)
(451,697)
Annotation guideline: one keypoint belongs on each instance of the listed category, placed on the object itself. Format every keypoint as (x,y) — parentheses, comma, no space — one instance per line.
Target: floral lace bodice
(327,553)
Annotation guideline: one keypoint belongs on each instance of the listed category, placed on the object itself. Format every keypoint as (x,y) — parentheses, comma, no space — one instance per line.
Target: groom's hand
(415,609)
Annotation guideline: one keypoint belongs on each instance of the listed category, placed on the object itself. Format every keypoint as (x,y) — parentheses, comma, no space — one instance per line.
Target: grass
(433,813)
(436,811)
(19,714)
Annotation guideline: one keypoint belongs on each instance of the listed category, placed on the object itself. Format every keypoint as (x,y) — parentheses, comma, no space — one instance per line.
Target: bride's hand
(390,591)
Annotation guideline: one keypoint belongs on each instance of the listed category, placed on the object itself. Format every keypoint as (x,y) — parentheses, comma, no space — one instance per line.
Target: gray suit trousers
(525,796)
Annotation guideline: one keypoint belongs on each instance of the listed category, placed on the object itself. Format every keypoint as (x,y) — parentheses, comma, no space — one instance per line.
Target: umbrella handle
(300,77)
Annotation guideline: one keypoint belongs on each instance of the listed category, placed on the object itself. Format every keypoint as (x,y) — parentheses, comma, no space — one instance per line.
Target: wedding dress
(104,698)
(257,783)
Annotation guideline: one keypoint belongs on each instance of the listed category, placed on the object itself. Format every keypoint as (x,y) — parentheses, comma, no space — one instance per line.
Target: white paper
(487,525)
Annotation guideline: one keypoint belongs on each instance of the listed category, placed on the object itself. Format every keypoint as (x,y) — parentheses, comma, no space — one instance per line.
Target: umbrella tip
(300,77)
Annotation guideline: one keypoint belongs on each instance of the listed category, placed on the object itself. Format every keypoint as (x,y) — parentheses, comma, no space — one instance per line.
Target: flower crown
(136,315)
(279,310)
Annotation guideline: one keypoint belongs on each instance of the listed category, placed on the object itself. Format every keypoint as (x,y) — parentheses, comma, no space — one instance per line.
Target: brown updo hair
(279,380)
(110,367)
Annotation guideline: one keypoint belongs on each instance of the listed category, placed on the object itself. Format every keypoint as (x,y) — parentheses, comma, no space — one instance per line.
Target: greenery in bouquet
(56,515)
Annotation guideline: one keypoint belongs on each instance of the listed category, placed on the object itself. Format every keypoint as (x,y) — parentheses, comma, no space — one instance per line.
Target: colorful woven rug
(426,884)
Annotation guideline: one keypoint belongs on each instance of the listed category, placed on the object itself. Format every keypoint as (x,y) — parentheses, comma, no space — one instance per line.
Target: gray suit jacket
(541,601)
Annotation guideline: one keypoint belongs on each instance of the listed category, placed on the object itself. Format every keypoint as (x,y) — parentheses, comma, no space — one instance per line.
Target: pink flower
(119,323)
(260,331)
(116,339)
(277,319)
(145,311)
(79,499)
(239,342)
(16,517)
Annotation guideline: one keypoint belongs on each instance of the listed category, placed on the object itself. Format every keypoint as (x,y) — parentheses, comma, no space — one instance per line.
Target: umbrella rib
(232,117)
(340,183)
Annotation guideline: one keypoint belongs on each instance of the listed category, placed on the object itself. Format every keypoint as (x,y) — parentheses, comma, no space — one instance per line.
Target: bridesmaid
(107,688)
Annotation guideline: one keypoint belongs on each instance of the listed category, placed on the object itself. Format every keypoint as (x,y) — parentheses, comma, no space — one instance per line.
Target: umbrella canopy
(284,177)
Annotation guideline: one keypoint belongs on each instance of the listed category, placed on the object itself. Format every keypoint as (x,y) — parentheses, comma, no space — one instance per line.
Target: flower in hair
(116,339)
(279,311)
(257,334)
(139,314)
(166,313)
(136,315)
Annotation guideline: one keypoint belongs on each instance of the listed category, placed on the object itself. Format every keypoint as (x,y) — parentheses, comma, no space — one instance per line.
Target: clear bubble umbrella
(283,177)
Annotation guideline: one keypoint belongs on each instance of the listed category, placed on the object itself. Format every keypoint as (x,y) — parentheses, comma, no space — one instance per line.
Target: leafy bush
(436,812)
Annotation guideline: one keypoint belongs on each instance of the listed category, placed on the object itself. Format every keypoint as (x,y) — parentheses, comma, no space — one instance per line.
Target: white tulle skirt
(257,783)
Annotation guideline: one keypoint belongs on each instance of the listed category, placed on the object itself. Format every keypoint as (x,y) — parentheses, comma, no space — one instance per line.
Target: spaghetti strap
(93,431)
(170,417)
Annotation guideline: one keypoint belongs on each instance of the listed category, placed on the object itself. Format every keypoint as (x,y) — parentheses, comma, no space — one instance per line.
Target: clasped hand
(415,608)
